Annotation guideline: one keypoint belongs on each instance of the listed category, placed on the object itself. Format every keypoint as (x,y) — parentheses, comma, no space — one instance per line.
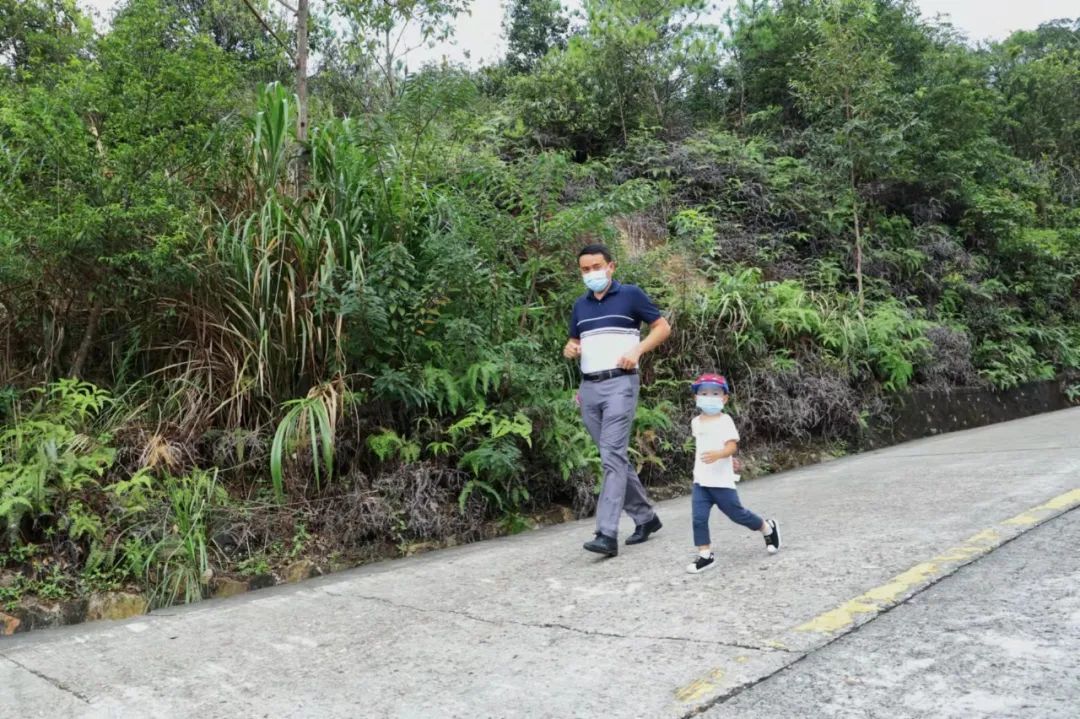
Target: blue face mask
(710,405)
(596,281)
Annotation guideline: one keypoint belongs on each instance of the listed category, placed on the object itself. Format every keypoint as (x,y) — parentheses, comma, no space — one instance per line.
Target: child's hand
(712,455)
(736,465)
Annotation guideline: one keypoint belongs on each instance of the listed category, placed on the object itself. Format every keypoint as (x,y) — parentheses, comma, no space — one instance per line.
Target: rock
(8,624)
(338,564)
(116,605)
(558,514)
(225,587)
(420,548)
(261,581)
(34,613)
(301,570)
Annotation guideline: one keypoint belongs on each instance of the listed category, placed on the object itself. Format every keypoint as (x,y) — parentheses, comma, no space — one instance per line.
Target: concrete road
(1000,638)
(532,626)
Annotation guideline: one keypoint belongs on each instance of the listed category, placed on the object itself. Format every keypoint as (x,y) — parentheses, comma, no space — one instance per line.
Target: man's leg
(593,414)
(636,502)
(619,401)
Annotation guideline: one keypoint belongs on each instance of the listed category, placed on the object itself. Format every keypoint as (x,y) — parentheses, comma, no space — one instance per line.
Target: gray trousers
(608,408)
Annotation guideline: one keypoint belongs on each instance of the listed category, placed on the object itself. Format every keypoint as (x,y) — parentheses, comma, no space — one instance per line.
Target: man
(605,333)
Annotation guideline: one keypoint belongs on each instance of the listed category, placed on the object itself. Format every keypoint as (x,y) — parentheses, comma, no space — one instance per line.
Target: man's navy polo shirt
(610,327)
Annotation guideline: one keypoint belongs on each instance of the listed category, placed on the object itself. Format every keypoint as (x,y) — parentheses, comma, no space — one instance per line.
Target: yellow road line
(700,687)
(889,594)
(869,604)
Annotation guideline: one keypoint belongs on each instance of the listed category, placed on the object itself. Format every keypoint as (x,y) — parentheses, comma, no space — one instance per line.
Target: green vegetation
(225,344)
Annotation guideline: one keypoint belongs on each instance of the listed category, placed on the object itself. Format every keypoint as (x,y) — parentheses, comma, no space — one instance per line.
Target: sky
(478,35)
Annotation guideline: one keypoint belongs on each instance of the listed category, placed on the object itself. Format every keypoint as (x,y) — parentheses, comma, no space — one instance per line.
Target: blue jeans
(728,501)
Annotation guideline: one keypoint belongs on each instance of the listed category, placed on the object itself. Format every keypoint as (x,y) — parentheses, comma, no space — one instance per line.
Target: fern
(400,387)
(438,449)
(474,484)
(895,340)
(72,399)
(564,440)
(477,417)
(47,460)
(133,494)
(519,426)
(389,444)
(496,459)
(480,378)
(83,524)
(443,391)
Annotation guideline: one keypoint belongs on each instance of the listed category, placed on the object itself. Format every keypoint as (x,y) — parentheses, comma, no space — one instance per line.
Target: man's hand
(658,332)
(713,455)
(572,350)
(630,360)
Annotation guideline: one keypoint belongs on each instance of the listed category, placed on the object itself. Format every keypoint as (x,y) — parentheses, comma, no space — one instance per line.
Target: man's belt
(607,374)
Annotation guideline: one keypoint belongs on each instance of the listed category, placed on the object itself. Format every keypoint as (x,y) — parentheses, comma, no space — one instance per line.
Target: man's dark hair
(595,249)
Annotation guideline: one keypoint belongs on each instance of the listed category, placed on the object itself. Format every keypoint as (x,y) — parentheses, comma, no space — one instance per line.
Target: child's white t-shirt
(711,435)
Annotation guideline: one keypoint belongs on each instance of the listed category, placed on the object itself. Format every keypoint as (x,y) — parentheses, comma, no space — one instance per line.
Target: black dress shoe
(603,544)
(642,531)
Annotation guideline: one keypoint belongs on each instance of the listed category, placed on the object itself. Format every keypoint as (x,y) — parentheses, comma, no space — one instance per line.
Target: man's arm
(572,349)
(659,331)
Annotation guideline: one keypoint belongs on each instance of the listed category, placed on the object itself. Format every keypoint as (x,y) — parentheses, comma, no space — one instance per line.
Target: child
(716,440)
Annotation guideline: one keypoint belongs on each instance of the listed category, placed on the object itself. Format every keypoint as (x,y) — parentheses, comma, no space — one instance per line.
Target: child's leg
(702,503)
(728,501)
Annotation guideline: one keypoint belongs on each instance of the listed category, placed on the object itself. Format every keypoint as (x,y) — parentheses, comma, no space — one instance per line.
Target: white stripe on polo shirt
(602,348)
(606,317)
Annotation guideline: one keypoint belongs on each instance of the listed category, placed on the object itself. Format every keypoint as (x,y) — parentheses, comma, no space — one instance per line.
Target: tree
(102,166)
(1038,74)
(379,30)
(237,30)
(532,28)
(847,92)
(764,40)
(627,71)
(40,34)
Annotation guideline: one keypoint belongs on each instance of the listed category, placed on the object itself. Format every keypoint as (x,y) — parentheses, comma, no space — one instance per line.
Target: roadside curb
(827,627)
(854,613)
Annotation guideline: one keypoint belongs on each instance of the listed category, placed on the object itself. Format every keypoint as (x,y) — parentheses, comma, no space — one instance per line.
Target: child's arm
(715,455)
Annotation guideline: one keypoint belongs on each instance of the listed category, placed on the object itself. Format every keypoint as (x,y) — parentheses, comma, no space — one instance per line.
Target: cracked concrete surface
(532,626)
(49,680)
(1000,638)
(553,625)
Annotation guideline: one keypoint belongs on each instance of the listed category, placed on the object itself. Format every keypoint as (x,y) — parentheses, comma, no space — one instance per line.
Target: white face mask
(597,280)
(709,404)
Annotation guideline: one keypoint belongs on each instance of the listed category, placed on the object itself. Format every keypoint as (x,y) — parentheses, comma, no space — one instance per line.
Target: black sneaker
(772,541)
(642,531)
(701,564)
(603,544)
